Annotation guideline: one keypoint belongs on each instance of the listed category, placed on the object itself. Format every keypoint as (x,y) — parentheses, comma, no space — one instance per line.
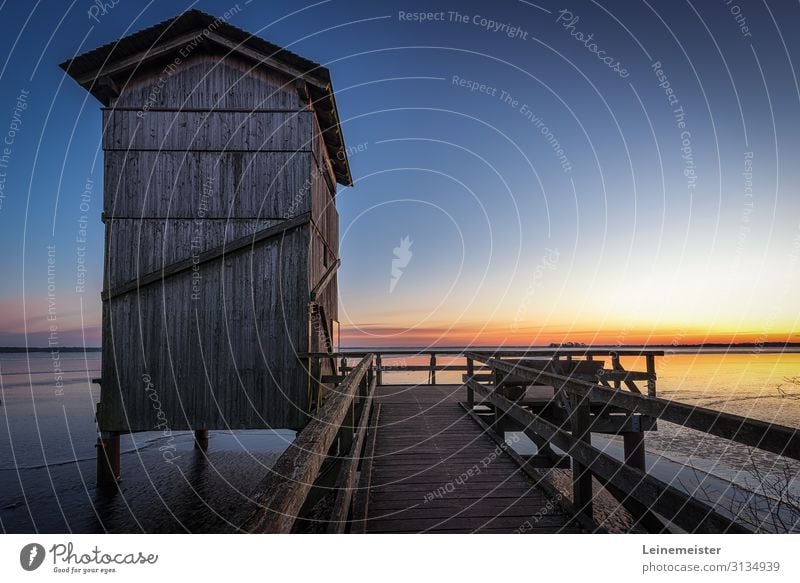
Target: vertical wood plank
(470,392)
(581,477)
(651,371)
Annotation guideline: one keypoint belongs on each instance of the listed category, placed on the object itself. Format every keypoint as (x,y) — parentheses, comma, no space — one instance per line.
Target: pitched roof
(117,60)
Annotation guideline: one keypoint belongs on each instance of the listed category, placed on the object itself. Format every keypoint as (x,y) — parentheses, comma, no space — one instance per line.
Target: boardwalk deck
(434,470)
(409,459)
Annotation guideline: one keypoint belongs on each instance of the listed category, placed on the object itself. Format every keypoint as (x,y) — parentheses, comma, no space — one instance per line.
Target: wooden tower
(222,154)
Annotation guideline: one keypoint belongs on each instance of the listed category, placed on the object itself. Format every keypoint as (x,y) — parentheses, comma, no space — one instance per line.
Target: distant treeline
(732,345)
(717,345)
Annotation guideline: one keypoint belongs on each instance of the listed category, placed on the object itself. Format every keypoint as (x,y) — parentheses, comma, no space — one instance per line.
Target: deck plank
(434,470)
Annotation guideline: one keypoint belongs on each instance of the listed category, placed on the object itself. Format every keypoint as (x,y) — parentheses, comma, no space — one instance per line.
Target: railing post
(581,476)
(347,429)
(615,365)
(633,441)
(470,392)
(379,370)
(363,386)
(433,368)
(315,381)
(497,425)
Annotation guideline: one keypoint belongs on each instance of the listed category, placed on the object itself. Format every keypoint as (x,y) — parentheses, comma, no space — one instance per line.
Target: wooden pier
(434,469)
(434,457)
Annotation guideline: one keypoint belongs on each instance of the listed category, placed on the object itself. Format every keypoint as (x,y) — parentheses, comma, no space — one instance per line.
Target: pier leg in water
(633,447)
(633,444)
(108,473)
(201,439)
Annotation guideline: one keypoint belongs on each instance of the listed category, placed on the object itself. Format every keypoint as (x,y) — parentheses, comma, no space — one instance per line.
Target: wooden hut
(222,154)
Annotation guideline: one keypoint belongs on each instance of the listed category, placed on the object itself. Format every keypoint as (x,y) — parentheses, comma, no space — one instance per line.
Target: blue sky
(644,252)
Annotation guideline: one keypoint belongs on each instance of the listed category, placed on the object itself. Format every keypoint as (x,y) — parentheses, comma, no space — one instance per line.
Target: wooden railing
(638,491)
(323,459)
(616,375)
(326,455)
(773,438)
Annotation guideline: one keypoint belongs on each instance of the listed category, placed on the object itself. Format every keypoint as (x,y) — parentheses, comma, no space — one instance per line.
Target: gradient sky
(508,246)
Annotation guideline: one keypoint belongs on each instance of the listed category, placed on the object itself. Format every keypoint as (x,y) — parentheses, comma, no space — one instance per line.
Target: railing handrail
(324,280)
(283,492)
(770,437)
(462,352)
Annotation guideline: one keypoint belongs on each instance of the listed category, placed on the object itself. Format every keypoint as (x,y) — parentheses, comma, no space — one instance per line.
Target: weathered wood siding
(213,347)
(324,249)
(206,81)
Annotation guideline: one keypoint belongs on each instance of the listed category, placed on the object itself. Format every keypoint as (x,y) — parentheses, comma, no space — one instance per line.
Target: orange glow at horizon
(507,335)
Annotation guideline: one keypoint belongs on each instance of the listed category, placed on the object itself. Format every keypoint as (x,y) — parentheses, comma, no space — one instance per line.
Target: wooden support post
(581,476)
(379,370)
(633,444)
(337,458)
(651,371)
(433,369)
(497,424)
(633,448)
(346,433)
(470,392)
(314,384)
(201,439)
(363,387)
(349,428)
(361,495)
(108,466)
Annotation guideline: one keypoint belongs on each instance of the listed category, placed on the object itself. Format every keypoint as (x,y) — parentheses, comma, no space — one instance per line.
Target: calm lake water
(47,461)
(47,444)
